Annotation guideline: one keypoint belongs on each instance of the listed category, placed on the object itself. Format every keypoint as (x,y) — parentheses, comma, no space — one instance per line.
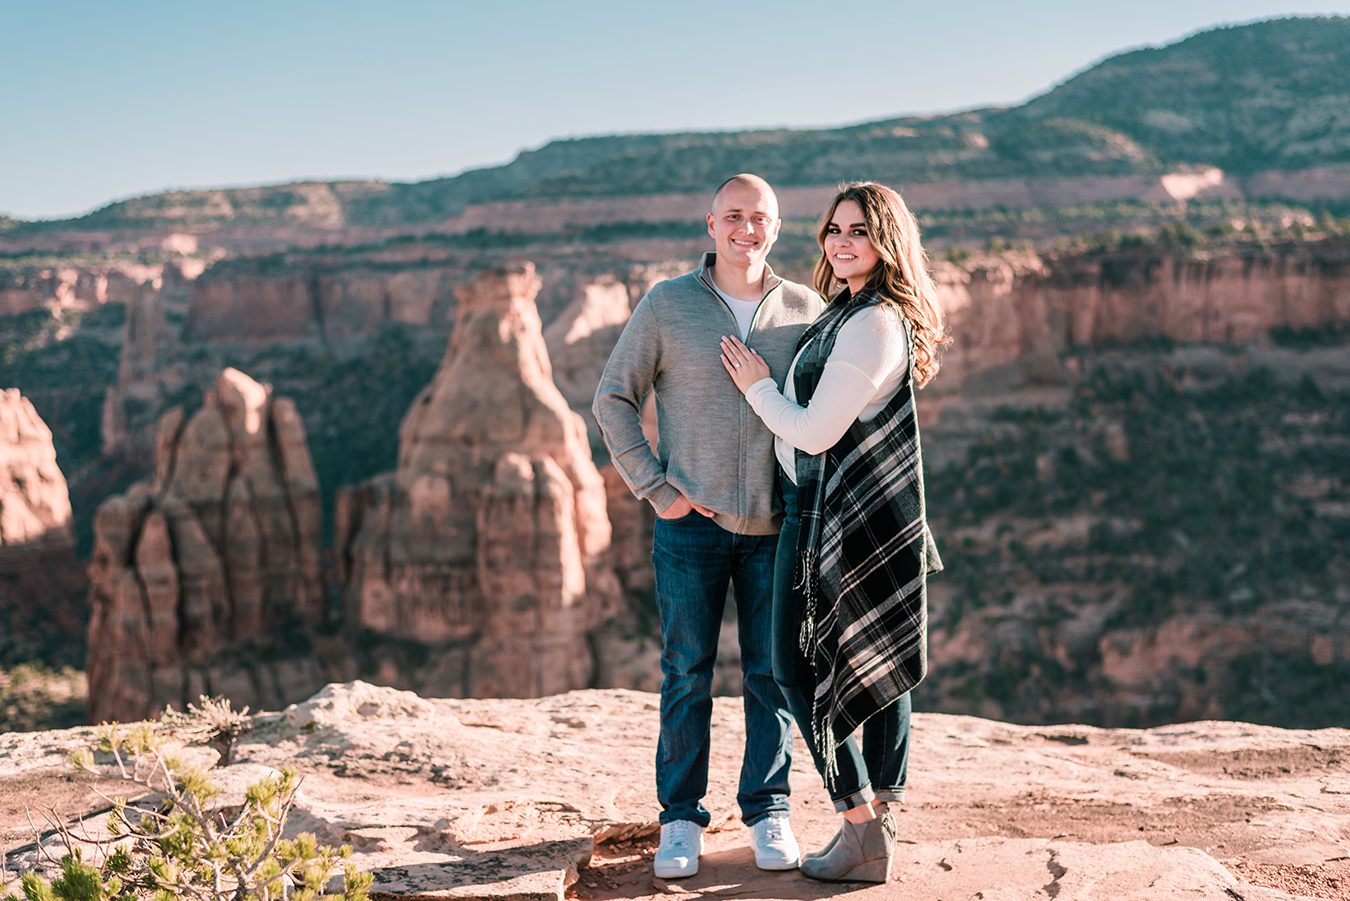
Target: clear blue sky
(105,100)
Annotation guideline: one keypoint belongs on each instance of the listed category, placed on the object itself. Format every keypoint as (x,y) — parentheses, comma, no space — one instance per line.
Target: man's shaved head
(743,221)
(747,180)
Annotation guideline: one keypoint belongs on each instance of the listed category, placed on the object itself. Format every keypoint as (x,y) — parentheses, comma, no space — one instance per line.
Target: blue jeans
(695,559)
(880,768)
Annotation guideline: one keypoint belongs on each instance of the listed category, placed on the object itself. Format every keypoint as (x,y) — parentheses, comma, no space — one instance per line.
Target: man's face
(744,224)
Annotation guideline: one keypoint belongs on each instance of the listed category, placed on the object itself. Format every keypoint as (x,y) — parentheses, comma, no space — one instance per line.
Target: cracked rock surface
(554,797)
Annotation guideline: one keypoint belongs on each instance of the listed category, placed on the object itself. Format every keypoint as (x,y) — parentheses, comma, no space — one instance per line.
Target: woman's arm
(870,347)
(843,391)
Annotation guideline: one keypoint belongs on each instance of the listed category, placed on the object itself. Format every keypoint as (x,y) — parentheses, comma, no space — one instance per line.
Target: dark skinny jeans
(880,768)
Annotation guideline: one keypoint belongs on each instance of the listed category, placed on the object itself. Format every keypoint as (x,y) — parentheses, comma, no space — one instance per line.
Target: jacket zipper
(753,319)
(740,472)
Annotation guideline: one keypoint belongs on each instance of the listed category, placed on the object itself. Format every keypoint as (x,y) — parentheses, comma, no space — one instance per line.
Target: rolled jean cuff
(854,799)
(891,795)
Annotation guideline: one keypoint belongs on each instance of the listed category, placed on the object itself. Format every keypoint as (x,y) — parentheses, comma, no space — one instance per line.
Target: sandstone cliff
(490,541)
(1013,318)
(40,584)
(215,559)
(34,501)
(260,303)
(65,286)
(146,374)
(582,336)
(1027,330)
(554,798)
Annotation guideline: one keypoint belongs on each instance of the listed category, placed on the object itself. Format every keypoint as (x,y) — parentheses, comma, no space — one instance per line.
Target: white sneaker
(775,845)
(681,844)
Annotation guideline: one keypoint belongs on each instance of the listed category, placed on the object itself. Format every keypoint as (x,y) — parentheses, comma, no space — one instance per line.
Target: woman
(850,602)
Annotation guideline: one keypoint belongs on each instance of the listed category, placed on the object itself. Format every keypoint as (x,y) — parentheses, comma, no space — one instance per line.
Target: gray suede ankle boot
(880,808)
(860,852)
(834,840)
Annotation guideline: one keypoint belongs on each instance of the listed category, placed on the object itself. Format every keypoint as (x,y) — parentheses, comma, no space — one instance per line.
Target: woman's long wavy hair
(901,275)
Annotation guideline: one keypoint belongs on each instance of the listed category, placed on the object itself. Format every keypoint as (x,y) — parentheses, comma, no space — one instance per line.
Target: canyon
(1033,623)
(325,449)
(1133,446)
(482,565)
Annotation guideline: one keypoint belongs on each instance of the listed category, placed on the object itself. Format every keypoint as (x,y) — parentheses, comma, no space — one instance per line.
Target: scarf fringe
(808,583)
(830,755)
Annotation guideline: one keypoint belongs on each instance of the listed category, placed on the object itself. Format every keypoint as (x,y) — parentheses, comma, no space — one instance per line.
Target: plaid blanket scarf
(864,552)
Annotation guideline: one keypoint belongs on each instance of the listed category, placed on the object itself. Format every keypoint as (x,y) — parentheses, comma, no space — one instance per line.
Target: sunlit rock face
(212,562)
(34,500)
(41,588)
(250,302)
(1012,317)
(71,287)
(490,541)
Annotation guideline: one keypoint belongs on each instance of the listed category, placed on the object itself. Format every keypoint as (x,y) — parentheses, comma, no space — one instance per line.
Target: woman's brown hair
(901,275)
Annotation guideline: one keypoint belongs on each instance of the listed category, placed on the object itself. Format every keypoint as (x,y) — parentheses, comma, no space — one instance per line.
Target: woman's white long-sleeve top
(869,359)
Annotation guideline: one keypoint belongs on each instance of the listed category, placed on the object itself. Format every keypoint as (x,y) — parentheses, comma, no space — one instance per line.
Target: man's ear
(709,219)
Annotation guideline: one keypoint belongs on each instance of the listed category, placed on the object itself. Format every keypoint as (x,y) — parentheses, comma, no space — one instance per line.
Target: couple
(806,494)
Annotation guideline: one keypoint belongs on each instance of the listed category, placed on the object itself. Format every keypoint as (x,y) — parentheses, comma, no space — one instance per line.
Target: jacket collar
(704,273)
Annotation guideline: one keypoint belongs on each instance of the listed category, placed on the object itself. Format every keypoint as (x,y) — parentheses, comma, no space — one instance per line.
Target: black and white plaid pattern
(864,552)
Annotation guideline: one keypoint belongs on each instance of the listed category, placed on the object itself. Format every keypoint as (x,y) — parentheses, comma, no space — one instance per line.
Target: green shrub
(183,848)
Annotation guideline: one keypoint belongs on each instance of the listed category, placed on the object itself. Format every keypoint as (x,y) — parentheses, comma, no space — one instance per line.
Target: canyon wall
(26,288)
(1014,317)
(329,304)
(495,559)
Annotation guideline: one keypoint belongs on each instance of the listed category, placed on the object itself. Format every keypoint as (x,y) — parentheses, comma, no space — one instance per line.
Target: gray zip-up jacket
(711,447)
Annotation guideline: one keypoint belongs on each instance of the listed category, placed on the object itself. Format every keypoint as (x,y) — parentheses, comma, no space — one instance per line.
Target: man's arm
(627,379)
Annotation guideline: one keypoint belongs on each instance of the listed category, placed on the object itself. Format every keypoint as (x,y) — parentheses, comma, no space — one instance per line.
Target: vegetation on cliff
(191,843)
(1175,486)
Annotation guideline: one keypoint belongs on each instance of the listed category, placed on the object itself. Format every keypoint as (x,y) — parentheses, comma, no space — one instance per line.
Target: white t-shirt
(743,310)
(864,370)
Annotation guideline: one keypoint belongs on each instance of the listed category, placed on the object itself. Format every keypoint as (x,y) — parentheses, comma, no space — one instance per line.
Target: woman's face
(847,246)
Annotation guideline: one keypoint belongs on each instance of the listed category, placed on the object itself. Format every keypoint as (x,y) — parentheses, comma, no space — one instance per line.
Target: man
(712,485)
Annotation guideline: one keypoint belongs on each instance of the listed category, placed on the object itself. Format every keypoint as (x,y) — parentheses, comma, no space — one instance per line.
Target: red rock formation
(41,589)
(144,376)
(34,501)
(1014,317)
(492,533)
(582,337)
(217,553)
(79,287)
(243,303)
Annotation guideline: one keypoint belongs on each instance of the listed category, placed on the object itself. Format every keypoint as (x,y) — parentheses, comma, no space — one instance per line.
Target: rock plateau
(537,799)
